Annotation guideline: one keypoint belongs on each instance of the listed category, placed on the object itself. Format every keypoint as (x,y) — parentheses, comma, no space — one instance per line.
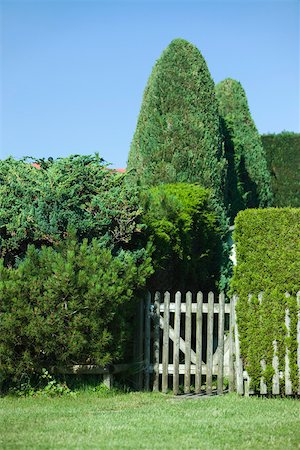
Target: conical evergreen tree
(177,138)
(248,178)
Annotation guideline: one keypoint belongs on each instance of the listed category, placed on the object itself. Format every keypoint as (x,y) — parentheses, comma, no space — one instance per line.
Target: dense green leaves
(283,156)
(68,305)
(248,178)
(268,261)
(39,205)
(177,138)
(184,230)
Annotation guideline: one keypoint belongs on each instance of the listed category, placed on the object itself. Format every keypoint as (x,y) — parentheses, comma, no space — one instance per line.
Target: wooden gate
(185,344)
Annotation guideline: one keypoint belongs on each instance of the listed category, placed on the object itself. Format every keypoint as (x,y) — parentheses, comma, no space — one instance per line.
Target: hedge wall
(268,260)
(283,157)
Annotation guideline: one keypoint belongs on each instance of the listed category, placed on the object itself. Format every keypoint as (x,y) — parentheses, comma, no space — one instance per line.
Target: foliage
(177,138)
(68,305)
(248,178)
(283,156)
(51,387)
(79,192)
(268,261)
(184,230)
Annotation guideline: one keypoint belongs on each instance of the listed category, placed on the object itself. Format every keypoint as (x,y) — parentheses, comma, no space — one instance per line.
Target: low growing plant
(69,305)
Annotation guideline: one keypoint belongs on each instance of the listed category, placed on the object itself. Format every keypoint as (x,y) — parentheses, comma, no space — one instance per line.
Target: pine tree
(177,138)
(248,178)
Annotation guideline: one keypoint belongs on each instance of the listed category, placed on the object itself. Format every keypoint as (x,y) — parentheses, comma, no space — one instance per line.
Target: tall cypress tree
(248,178)
(177,138)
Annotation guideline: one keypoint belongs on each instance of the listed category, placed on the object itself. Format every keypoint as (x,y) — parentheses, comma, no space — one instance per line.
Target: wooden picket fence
(190,343)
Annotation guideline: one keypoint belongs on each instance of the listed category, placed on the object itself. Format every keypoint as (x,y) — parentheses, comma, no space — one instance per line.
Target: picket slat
(221,342)
(188,337)
(210,342)
(165,351)
(156,316)
(238,360)
(231,347)
(176,343)
(287,374)
(198,376)
(275,364)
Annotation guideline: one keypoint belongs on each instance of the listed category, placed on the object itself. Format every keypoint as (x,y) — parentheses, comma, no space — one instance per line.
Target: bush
(248,178)
(268,261)
(283,156)
(79,192)
(70,305)
(184,230)
(177,138)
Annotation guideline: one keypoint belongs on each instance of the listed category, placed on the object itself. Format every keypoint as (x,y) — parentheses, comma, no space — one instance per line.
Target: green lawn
(145,420)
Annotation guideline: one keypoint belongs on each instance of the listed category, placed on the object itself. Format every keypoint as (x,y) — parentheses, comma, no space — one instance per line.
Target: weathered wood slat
(238,360)
(182,369)
(263,385)
(194,308)
(188,338)
(176,344)
(210,341)
(275,364)
(221,342)
(93,369)
(165,350)
(156,316)
(287,374)
(147,341)
(181,341)
(231,347)
(198,375)
(108,380)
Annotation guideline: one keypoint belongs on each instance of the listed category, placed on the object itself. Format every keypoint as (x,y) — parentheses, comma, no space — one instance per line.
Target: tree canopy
(248,178)
(177,138)
(39,206)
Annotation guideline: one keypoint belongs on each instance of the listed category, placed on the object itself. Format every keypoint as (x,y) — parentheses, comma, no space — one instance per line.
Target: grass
(149,421)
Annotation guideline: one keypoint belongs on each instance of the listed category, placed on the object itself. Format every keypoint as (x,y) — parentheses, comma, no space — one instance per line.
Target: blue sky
(73,72)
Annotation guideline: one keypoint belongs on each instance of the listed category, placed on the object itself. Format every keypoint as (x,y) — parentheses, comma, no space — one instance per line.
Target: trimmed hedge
(268,261)
(283,156)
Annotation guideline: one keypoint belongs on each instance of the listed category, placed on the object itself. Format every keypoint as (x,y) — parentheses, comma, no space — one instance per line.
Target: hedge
(268,261)
(283,156)
(183,228)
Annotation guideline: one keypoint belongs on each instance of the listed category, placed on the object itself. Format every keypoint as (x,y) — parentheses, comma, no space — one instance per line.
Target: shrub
(177,138)
(248,178)
(184,230)
(268,261)
(79,192)
(68,305)
(283,156)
